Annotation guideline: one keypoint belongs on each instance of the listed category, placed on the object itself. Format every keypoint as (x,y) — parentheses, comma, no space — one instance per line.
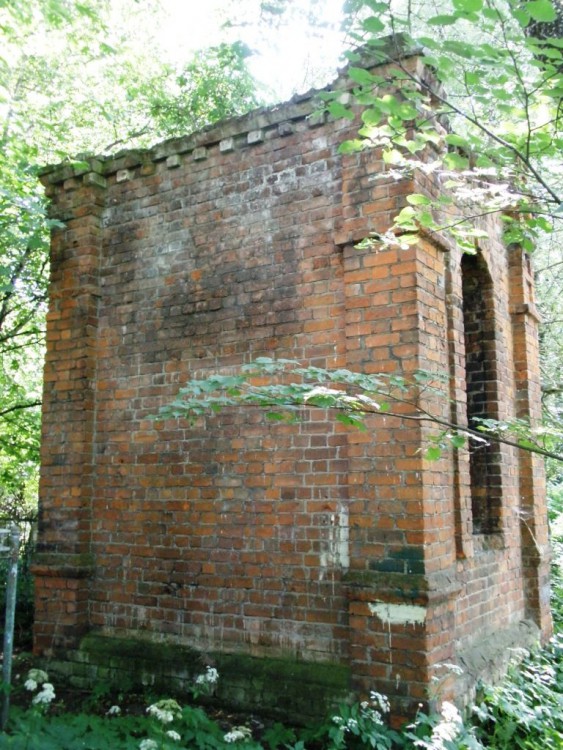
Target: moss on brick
(283,687)
(286,687)
(141,661)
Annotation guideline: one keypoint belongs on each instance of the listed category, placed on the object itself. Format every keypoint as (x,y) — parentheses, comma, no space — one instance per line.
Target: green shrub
(526,710)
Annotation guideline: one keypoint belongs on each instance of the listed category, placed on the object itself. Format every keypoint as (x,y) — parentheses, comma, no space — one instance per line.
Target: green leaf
(373,24)
(374,5)
(469,6)
(351,147)
(426,219)
(455,161)
(521,16)
(417,199)
(276,416)
(352,420)
(372,116)
(541,10)
(428,41)
(443,20)
(405,219)
(456,140)
(463,49)
(458,441)
(338,111)
(361,76)
(107,49)
(433,453)
(406,111)
(392,156)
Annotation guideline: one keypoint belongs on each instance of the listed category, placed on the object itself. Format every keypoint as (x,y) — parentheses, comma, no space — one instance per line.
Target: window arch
(482,391)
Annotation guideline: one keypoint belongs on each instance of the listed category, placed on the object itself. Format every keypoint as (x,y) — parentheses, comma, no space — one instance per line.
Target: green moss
(284,687)
(284,669)
(288,688)
(138,650)
(408,553)
(387,566)
(389,585)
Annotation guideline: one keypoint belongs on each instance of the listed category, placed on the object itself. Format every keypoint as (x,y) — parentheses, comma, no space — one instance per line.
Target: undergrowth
(524,712)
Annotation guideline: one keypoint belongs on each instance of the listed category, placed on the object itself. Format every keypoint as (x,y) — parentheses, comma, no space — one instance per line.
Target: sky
(287,60)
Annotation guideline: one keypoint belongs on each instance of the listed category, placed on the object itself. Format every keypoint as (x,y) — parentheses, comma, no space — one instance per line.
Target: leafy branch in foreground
(489,132)
(291,389)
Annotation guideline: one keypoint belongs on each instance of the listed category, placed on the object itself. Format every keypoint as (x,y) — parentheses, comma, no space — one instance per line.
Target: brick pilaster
(402,583)
(532,510)
(64,561)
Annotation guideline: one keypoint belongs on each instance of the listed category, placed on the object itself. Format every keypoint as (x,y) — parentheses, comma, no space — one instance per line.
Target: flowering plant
(205,683)
(37,678)
(365,723)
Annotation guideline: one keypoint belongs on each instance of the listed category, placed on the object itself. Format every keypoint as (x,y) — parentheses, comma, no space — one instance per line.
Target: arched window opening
(482,392)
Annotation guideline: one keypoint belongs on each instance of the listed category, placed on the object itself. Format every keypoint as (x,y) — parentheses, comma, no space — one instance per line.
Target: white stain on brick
(336,546)
(343,538)
(398,614)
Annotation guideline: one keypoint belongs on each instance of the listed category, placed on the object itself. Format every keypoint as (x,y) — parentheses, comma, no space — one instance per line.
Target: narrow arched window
(482,391)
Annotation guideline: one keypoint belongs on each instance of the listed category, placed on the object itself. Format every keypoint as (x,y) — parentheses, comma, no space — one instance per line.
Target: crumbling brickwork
(308,561)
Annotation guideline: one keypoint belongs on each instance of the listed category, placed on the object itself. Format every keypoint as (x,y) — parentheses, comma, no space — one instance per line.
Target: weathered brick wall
(303,559)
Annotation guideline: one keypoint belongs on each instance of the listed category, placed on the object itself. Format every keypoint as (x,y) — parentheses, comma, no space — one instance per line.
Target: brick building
(308,562)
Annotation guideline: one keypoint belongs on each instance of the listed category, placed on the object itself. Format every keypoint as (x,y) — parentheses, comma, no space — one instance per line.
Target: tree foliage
(76,77)
(90,76)
(287,390)
(213,86)
(491,131)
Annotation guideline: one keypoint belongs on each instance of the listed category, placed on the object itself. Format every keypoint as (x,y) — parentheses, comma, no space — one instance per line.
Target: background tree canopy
(99,76)
(78,77)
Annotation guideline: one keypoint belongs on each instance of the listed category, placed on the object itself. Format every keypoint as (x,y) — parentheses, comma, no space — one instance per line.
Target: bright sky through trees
(289,55)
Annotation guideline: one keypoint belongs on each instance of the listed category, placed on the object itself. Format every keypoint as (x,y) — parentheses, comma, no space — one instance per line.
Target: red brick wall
(309,543)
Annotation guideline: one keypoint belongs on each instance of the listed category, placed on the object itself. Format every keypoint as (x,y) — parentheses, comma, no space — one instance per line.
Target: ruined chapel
(308,562)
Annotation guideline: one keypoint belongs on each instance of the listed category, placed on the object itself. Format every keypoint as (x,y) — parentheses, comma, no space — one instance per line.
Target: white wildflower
(165,711)
(161,714)
(381,701)
(148,745)
(210,677)
(444,732)
(450,713)
(45,695)
(113,711)
(173,735)
(449,728)
(337,720)
(374,716)
(237,733)
(38,676)
(30,684)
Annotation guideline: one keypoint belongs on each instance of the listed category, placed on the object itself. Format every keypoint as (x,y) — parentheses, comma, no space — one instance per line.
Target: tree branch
(481,126)
(422,416)
(18,407)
